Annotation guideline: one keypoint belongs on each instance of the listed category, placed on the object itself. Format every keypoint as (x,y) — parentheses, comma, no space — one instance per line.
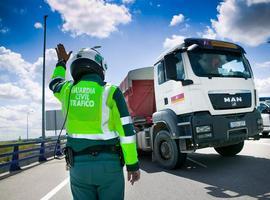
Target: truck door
(169,89)
(175,78)
(160,87)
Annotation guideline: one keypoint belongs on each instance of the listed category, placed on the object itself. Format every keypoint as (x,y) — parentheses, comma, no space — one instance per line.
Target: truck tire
(230,150)
(166,151)
(265,133)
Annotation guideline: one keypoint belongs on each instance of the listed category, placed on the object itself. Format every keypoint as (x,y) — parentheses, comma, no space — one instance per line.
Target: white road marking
(55,190)
(196,162)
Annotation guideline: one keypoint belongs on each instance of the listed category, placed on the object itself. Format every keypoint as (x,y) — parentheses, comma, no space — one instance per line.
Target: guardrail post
(42,152)
(58,148)
(14,166)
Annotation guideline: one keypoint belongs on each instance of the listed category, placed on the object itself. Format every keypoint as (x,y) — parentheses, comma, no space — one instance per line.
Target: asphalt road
(206,175)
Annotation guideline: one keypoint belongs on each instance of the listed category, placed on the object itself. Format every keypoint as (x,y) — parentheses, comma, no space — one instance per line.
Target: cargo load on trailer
(138,89)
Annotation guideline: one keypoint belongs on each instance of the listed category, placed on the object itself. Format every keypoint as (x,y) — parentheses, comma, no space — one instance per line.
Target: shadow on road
(225,177)
(265,136)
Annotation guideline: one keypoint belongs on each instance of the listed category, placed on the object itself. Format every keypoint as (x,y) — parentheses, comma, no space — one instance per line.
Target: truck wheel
(166,151)
(230,150)
(265,133)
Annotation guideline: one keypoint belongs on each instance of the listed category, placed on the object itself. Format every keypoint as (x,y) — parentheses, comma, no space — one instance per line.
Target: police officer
(97,124)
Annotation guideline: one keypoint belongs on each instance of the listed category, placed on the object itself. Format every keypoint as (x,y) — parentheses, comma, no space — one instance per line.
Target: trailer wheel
(230,150)
(166,151)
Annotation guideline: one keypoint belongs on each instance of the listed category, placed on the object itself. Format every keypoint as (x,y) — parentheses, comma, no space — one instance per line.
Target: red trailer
(138,89)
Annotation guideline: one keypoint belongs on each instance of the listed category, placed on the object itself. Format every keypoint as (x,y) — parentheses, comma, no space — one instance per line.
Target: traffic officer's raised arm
(127,132)
(58,78)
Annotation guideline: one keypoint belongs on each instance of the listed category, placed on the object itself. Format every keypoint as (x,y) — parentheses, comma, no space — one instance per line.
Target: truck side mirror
(187,82)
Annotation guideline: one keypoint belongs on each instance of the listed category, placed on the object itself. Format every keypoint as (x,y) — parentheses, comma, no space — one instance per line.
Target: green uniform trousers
(97,177)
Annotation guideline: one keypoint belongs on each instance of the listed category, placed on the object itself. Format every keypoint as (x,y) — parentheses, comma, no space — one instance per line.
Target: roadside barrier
(41,149)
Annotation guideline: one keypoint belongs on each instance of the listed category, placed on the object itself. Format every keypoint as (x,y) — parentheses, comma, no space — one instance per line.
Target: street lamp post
(43,80)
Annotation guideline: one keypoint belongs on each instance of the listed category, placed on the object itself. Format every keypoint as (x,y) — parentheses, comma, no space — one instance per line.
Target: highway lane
(206,175)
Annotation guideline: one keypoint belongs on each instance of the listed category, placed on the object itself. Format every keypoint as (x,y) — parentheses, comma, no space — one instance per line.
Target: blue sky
(132,34)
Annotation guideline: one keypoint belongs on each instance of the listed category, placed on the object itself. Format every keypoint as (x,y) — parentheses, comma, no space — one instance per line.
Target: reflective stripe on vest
(128,139)
(98,136)
(126,120)
(105,109)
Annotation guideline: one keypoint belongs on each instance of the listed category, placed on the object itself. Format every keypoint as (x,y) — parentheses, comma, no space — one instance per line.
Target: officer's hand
(61,53)
(134,176)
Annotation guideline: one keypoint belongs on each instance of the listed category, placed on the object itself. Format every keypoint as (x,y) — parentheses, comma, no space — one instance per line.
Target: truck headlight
(203,129)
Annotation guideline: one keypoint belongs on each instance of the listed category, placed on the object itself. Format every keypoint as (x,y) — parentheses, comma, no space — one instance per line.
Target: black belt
(95,150)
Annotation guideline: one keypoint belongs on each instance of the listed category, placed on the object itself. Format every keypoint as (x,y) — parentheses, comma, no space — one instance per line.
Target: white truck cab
(205,97)
(198,94)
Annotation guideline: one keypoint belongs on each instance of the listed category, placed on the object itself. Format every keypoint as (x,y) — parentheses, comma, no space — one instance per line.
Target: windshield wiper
(239,76)
(214,75)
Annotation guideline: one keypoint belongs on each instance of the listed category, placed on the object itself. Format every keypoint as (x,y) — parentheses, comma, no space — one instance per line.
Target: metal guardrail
(42,151)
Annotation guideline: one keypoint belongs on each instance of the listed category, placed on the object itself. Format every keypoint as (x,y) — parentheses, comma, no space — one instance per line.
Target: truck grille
(223,101)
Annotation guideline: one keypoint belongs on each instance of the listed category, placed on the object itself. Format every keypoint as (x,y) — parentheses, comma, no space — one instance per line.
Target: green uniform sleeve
(126,132)
(58,83)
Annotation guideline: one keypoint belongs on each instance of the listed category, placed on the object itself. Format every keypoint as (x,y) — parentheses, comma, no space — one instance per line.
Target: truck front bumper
(222,130)
(266,128)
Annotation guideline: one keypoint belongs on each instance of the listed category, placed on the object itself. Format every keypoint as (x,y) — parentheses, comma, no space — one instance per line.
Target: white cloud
(209,33)
(263,86)
(4,30)
(38,25)
(173,41)
(23,93)
(13,120)
(10,91)
(128,1)
(27,75)
(245,21)
(250,2)
(177,19)
(14,63)
(96,18)
(265,64)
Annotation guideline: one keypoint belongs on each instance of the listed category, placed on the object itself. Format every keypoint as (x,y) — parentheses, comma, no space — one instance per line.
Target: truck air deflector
(214,44)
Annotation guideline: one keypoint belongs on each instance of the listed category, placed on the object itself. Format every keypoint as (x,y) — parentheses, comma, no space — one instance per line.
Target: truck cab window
(217,63)
(161,73)
(174,67)
(180,68)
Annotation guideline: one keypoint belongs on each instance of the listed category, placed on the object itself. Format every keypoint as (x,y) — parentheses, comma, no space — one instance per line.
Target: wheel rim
(165,150)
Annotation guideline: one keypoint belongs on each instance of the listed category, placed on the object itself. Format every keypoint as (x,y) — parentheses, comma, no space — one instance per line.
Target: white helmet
(87,60)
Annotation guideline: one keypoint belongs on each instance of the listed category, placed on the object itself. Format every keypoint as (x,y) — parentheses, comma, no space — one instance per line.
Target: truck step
(183,124)
(185,137)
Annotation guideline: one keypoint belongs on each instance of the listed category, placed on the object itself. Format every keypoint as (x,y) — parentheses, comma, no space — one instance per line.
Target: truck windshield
(213,63)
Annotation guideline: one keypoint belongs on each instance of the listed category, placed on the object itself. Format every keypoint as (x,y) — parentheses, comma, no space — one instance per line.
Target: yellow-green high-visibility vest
(93,113)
